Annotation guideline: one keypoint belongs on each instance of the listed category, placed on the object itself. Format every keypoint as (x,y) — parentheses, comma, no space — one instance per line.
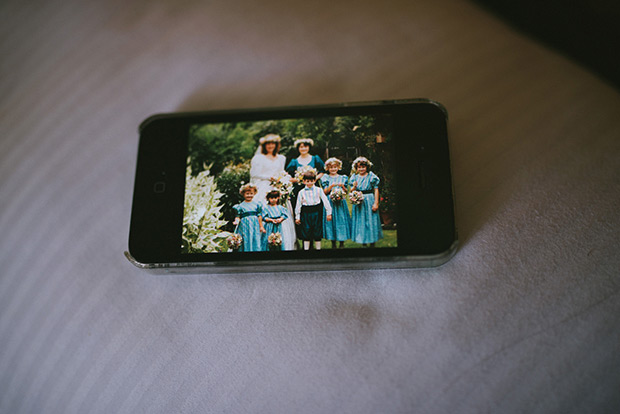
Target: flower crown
(359,160)
(308,141)
(269,138)
(245,187)
(334,160)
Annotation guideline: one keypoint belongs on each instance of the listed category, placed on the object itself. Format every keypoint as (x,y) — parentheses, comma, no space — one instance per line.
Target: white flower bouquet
(337,194)
(234,241)
(282,183)
(356,197)
(274,240)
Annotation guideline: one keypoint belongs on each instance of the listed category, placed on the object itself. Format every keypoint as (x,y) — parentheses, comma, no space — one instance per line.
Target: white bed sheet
(523,319)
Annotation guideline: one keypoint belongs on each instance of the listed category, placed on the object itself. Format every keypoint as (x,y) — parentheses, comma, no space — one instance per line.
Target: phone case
(314,263)
(310,265)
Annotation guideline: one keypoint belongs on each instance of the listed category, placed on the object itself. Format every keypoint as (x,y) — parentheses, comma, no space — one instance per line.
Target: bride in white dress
(266,164)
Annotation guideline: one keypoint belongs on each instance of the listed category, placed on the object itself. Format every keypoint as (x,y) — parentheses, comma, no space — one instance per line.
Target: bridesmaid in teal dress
(273,216)
(339,229)
(304,145)
(366,223)
(249,220)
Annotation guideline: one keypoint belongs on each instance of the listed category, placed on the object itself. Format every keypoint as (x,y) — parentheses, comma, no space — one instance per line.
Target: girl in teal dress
(273,216)
(249,220)
(366,224)
(339,229)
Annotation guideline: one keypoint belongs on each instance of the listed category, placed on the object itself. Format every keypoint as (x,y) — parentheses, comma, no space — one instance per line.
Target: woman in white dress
(265,165)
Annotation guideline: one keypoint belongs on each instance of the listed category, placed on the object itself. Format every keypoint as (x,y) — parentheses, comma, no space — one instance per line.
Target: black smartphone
(355,185)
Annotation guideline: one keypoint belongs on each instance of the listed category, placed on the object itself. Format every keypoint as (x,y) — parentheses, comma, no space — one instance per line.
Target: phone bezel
(426,226)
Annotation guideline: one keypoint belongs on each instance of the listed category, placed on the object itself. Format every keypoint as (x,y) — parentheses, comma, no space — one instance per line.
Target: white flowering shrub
(202,215)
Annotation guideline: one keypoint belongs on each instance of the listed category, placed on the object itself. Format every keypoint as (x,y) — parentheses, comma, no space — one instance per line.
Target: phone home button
(159,187)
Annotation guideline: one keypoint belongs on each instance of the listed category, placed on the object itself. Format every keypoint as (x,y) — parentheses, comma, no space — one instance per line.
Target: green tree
(218,145)
(228,182)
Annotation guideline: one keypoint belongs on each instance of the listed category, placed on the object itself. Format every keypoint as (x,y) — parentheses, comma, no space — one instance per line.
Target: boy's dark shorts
(311,228)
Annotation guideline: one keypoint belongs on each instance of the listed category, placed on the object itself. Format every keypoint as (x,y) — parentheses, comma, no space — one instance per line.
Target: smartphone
(344,186)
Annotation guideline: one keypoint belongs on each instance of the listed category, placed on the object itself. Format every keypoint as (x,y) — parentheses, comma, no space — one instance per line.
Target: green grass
(388,240)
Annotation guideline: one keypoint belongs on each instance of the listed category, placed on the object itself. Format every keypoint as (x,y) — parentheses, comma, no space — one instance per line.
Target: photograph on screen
(290,185)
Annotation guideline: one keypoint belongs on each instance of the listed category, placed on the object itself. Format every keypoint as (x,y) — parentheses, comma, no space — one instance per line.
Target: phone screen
(292,184)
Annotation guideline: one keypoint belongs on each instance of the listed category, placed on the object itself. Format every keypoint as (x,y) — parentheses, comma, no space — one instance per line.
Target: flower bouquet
(282,183)
(234,241)
(274,240)
(299,174)
(337,194)
(356,197)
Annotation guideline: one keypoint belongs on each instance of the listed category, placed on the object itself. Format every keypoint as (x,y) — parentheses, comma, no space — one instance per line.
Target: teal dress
(248,226)
(365,223)
(339,229)
(315,162)
(272,212)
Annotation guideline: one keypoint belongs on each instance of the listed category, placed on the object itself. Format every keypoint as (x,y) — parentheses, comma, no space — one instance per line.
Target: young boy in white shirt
(311,201)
